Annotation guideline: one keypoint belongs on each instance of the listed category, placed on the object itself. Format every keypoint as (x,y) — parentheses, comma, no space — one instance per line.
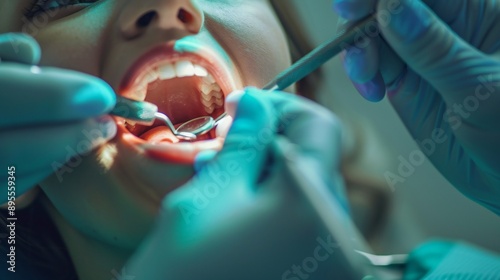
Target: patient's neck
(92,259)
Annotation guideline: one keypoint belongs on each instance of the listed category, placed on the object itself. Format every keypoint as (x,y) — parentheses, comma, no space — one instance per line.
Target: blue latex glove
(438,63)
(453,261)
(230,221)
(46,114)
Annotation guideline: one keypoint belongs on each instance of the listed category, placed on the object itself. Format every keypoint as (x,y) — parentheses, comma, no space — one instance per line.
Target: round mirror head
(197,126)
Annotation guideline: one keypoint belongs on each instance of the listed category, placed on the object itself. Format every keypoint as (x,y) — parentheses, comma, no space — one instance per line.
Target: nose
(138,16)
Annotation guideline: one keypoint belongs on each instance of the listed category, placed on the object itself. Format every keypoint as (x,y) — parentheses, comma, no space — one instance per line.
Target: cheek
(65,44)
(11,15)
(254,39)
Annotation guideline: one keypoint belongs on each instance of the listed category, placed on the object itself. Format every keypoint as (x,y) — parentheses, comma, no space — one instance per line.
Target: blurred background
(424,206)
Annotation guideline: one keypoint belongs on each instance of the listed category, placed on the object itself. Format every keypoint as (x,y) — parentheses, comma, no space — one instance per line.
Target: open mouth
(184,86)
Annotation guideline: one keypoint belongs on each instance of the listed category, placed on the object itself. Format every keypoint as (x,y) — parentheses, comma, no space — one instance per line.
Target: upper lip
(166,52)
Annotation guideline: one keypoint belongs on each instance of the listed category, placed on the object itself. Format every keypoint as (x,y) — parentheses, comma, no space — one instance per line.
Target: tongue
(178,98)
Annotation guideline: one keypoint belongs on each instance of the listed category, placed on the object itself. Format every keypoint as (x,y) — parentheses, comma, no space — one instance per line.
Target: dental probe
(145,113)
(321,54)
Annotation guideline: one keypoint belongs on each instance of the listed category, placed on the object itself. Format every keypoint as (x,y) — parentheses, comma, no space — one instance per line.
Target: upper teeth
(166,72)
(200,71)
(211,93)
(184,69)
(179,69)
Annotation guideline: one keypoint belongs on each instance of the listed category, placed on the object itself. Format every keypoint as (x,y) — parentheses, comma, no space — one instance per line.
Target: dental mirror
(197,126)
(146,113)
(201,125)
(179,134)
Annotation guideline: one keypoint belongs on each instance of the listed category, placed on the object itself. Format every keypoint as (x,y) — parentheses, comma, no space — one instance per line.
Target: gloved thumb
(203,158)
(429,46)
(18,47)
(248,142)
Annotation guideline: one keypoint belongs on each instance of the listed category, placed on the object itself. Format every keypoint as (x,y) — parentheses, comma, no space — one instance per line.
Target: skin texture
(106,207)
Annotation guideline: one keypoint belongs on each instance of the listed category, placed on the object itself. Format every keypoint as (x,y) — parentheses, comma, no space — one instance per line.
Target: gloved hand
(47,115)
(438,63)
(440,259)
(237,220)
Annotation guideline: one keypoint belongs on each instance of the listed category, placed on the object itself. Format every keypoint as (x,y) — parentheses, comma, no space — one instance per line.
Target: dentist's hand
(438,63)
(442,259)
(46,114)
(237,220)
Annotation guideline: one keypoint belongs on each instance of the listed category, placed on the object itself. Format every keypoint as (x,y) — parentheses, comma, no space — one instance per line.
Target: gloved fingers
(31,96)
(436,128)
(38,148)
(392,68)
(449,13)
(361,61)
(314,129)
(203,158)
(357,9)
(373,90)
(246,146)
(354,9)
(19,47)
(430,48)
(310,131)
(426,258)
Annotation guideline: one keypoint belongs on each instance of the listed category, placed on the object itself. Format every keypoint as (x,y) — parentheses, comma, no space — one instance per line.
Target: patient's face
(185,56)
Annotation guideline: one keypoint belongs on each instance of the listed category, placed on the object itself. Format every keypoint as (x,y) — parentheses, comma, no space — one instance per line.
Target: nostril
(184,16)
(146,19)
